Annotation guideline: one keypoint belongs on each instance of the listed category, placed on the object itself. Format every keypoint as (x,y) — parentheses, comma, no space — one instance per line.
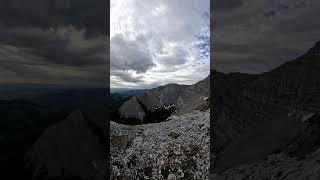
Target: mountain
(73,148)
(128,92)
(24,120)
(170,135)
(116,100)
(72,98)
(133,92)
(274,113)
(159,103)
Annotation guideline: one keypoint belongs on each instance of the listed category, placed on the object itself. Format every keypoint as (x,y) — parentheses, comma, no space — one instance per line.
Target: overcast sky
(256,36)
(153,42)
(59,42)
(156,42)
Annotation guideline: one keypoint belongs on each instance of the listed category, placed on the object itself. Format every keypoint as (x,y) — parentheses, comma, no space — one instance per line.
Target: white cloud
(153,42)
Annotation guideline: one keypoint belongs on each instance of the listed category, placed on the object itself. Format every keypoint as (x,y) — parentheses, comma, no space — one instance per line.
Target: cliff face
(182,98)
(272,113)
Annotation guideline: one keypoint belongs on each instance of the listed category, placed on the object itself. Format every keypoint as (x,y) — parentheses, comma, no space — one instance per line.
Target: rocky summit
(266,126)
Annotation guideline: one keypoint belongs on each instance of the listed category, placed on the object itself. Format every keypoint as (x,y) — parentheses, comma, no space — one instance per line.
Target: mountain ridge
(273,112)
(168,97)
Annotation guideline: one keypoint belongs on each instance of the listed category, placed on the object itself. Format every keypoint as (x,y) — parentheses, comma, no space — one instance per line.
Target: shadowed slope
(275,112)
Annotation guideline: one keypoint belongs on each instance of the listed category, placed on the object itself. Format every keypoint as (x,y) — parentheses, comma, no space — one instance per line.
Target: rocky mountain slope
(21,123)
(75,148)
(175,149)
(165,100)
(256,116)
(276,166)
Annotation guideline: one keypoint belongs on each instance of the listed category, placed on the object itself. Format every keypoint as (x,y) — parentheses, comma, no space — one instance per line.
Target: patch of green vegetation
(116,101)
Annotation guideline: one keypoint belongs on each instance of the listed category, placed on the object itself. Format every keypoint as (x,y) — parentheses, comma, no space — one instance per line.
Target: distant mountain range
(255,116)
(128,92)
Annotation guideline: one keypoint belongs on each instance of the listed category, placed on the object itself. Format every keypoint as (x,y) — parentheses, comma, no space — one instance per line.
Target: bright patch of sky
(156,42)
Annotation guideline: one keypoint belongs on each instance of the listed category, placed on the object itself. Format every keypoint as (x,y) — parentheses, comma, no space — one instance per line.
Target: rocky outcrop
(73,148)
(271,113)
(132,109)
(182,98)
(175,149)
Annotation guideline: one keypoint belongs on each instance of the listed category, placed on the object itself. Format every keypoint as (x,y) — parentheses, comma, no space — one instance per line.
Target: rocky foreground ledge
(176,149)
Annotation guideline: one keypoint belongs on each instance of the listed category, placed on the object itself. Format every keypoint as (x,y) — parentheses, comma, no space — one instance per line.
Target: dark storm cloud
(59,42)
(257,36)
(37,74)
(20,64)
(129,54)
(127,76)
(64,46)
(90,15)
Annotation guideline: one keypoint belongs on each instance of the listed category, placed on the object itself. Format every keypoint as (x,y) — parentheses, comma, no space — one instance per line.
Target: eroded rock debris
(175,149)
